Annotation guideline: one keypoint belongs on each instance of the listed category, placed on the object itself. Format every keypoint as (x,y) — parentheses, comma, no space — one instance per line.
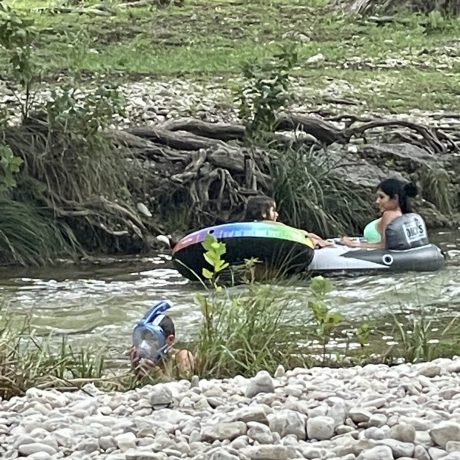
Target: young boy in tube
(261,207)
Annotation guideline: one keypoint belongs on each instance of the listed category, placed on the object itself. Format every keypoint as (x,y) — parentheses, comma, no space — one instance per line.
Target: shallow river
(100,305)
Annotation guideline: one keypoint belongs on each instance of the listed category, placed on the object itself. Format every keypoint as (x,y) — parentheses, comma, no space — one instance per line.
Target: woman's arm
(357,244)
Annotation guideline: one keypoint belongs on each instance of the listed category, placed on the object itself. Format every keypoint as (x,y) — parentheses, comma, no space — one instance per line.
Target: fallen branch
(175,139)
(221,131)
(324,132)
(428,134)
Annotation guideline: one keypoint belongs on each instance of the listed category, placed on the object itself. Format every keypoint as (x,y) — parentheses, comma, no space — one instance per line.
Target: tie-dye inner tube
(282,248)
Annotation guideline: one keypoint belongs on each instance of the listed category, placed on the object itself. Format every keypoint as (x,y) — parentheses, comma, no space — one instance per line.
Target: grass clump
(245,333)
(310,196)
(27,360)
(30,236)
(435,184)
(419,338)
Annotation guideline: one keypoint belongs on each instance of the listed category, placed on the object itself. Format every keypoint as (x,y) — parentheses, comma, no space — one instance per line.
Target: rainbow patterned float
(288,250)
(283,248)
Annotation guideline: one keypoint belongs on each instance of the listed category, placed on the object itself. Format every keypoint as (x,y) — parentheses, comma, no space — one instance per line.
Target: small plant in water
(362,332)
(420,339)
(325,320)
(213,256)
(243,331)
(27,360)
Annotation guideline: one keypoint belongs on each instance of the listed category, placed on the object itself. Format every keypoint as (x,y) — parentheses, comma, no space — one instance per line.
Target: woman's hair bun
(410,190)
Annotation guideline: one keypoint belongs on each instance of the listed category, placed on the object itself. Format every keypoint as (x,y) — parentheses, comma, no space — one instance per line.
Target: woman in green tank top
(371,232)
(393,200)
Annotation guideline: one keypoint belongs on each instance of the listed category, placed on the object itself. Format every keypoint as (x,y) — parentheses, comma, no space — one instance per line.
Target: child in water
(262,207)
(153,346)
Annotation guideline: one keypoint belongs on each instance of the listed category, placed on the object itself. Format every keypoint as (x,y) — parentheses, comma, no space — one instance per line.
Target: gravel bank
(366,413)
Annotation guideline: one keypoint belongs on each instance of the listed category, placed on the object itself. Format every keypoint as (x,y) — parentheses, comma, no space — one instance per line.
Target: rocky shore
(373,412)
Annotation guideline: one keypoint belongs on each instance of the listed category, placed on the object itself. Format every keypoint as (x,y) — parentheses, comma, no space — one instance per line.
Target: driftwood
(323,131)
(211,164)
(175,139)
(213,170)
(221,131)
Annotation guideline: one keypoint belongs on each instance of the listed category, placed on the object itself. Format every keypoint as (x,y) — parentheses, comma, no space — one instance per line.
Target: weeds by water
(435,184)
(242,332)
(29,236)
(28,360)
(420,339)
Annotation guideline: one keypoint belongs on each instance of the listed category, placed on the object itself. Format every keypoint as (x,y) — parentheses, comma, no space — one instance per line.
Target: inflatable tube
(342,258)
(286,249)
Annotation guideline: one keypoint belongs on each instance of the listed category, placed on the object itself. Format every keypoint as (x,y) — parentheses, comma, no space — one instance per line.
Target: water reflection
(101,304)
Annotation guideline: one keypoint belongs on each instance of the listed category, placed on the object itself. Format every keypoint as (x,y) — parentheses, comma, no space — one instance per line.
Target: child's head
(261,208)
(154,335)
(169,330)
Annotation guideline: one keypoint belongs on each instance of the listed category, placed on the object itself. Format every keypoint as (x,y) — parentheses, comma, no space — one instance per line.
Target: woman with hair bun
(393,199)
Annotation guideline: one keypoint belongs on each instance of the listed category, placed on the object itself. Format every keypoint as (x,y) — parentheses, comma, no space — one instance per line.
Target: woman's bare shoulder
(389,216)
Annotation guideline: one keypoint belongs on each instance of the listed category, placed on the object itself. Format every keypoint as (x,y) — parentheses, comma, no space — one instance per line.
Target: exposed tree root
(205,169)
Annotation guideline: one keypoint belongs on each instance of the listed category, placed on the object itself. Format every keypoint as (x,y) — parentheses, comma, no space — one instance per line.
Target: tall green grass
(28,360)
(419,337)
(311,196)
(246,332)
(30,236)
(436,189)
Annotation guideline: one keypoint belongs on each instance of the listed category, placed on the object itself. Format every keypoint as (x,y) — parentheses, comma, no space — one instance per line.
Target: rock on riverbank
(374,412)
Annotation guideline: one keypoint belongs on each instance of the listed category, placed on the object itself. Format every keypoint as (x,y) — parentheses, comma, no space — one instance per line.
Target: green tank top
(371,232)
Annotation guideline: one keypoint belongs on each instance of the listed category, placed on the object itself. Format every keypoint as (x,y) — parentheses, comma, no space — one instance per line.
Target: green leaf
(207,274)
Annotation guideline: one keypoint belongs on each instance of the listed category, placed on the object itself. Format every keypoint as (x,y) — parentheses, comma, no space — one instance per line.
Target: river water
(100,304)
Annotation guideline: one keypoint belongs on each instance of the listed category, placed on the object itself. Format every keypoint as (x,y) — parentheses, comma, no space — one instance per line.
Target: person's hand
(324,243)
(141,367)
(349,242)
